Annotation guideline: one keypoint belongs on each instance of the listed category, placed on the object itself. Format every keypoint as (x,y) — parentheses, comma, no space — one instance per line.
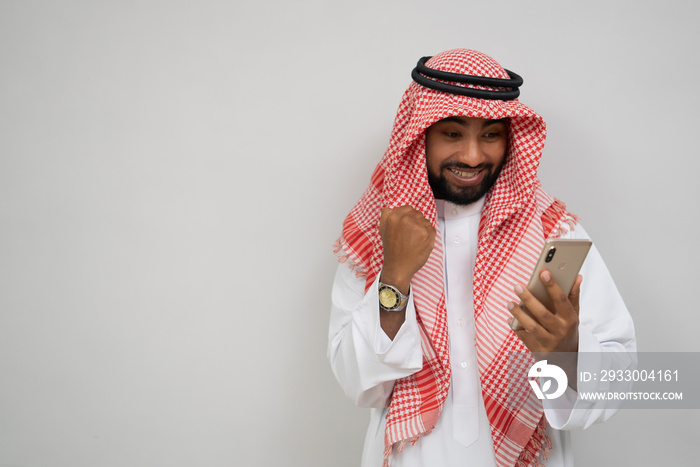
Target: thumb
(382,219)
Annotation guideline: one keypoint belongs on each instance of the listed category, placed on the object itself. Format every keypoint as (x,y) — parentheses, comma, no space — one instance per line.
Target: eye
(451,134)
(493,135)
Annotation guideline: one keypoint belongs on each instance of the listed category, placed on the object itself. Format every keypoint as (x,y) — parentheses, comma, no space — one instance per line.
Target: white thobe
(366,362)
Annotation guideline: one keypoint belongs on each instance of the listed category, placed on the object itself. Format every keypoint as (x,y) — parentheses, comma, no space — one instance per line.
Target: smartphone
(563,258)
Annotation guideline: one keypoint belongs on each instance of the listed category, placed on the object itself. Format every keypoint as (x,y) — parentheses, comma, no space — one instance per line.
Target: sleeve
(606,340)
(363,358)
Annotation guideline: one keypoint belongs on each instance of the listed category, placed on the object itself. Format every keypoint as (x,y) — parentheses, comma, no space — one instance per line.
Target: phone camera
(550,255)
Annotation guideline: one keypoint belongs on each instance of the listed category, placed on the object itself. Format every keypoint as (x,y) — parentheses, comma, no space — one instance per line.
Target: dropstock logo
(551,372)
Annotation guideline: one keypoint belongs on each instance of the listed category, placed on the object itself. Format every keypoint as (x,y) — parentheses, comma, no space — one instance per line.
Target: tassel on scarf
(540,443)
(552,216)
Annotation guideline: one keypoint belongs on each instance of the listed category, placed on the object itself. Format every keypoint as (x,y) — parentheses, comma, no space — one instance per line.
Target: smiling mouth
(466,174)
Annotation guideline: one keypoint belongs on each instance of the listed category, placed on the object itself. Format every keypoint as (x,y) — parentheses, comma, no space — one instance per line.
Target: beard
(463,195)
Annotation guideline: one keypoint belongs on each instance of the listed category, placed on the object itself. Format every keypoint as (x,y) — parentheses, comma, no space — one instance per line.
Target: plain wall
(173,175)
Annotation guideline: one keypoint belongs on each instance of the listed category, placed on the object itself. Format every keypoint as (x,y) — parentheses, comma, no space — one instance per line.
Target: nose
(470,153)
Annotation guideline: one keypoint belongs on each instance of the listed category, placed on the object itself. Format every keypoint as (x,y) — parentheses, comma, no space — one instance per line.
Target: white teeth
(459,173)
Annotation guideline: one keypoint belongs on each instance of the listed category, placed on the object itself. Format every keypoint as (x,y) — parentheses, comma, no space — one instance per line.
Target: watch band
(391,298)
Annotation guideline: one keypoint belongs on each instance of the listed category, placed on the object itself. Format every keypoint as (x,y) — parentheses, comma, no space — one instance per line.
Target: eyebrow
(460,121)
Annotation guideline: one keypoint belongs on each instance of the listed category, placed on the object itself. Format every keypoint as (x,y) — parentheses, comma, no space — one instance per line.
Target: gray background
(173,175)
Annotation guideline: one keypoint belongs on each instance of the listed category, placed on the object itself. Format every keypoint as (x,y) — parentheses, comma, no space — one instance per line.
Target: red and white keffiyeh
(516,219)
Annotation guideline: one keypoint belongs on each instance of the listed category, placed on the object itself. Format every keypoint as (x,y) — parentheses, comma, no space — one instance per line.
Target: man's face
(464,157)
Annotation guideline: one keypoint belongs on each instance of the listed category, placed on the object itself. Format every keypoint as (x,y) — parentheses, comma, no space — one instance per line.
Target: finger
(406,209)
(527,321)
(384,214)
(433,233)
(529,340)
(560,300)
(533,340)
(536,309)
(576,293)
(382,220)
(515,326)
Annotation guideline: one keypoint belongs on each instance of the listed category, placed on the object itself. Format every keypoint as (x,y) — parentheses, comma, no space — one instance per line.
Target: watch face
(388,298)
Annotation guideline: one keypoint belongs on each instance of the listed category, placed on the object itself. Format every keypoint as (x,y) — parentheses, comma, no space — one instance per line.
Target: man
(436,256)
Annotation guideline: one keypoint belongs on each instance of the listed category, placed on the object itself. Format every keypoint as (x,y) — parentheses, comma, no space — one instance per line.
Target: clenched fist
(408,239)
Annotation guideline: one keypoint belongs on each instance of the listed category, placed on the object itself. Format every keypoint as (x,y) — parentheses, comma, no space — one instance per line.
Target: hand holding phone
(563,258)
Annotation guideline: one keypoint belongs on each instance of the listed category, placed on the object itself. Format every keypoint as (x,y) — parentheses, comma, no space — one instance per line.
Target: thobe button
(460,322)
(454,211)
(456,240)
(464,364)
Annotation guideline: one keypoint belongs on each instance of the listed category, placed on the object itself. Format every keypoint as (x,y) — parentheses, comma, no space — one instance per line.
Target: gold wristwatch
(391,298)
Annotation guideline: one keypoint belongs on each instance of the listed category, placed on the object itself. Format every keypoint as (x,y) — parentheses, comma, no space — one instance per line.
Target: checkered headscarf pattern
(511,235)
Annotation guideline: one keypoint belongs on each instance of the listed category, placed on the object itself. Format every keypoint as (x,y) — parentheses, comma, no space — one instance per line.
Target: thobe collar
(448,210)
